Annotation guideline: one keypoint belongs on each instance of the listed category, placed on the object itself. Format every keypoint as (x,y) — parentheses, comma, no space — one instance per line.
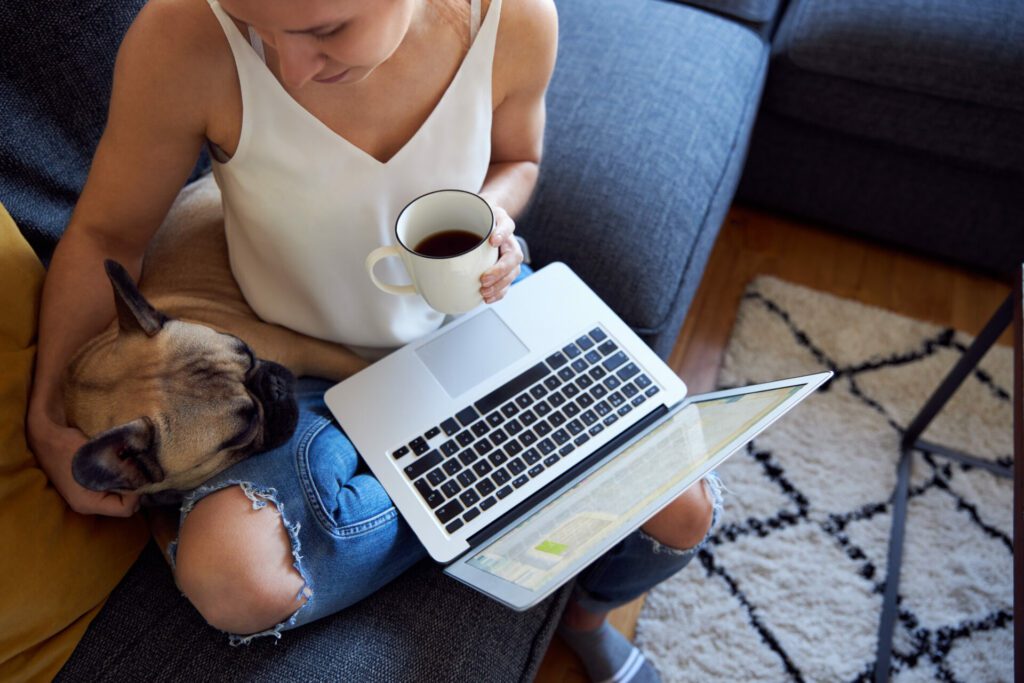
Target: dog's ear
(120,459)
(134,313)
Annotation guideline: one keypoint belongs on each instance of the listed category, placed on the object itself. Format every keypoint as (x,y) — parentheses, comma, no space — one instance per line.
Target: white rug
(790,588)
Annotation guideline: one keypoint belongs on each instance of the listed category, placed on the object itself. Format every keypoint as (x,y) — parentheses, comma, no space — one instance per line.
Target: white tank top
(303,206)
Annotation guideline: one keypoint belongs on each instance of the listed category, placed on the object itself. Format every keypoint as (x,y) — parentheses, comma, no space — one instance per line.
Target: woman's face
(326,41)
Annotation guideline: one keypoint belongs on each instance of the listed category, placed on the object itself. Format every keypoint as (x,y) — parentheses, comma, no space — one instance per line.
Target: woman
(323,117)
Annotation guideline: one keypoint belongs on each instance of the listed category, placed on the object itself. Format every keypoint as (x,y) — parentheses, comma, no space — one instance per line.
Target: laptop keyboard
(513,434)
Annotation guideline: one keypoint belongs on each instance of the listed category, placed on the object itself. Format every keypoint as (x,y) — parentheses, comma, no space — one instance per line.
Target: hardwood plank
(753,243)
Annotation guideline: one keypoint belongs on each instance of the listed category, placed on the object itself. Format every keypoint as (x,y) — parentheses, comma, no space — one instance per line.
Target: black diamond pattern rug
(790,586)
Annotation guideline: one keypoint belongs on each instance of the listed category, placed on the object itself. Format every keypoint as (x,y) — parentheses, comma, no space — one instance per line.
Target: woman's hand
(496,280)
(54,446)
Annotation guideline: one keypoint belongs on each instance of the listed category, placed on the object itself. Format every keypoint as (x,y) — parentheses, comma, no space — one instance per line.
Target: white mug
(451,283)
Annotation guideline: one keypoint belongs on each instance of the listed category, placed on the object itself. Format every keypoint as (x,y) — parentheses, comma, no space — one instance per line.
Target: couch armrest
(649,113)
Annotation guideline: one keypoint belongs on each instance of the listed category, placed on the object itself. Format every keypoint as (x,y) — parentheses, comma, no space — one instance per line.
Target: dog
(187,380)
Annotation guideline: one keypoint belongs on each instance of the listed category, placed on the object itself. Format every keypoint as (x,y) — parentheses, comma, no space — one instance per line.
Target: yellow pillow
(58,567)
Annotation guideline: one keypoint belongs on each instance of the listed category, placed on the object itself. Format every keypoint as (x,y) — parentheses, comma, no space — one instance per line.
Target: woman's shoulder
(527,42)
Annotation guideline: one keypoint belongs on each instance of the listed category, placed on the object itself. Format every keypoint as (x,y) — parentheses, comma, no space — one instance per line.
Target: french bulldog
(187,380)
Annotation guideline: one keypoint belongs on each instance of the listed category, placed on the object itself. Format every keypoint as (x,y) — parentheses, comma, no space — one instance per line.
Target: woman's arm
(154,133)
(523,62)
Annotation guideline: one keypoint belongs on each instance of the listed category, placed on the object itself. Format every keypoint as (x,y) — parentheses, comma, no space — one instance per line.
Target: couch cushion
(51,117)
(755,11)
(423,626)
(57,566)
(649,105)
(942,78)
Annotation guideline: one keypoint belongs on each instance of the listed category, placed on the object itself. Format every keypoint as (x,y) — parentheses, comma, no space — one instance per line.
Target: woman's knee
(684,522)
(235,563)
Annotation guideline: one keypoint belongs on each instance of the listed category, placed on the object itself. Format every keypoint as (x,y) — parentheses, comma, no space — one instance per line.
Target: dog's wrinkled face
(169,403)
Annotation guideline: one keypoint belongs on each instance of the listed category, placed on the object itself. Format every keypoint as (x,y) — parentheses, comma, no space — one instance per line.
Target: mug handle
(378,254)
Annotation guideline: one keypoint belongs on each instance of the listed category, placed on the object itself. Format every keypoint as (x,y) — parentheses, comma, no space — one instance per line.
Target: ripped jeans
(348,539)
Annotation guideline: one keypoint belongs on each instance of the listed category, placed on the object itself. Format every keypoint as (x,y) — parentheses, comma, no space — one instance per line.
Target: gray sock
(608,656)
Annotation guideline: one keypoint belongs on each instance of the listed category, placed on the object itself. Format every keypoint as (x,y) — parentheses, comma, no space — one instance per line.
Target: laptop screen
(608,501)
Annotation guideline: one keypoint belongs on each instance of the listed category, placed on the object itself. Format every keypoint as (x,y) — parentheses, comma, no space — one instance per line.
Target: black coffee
(448,243)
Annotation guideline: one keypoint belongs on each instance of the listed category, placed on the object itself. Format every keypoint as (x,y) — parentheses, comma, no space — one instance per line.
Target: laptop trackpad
(471,352)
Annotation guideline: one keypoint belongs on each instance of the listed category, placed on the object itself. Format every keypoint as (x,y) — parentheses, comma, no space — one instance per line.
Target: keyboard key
(589,417)
(531,456)
(629,391)
(498,436)
(516,466)
(483,447)
(612,362)
(423,487)
(528,438)
(599,391)
(610,420)
(501,477)
(524,400)
(542,428)
(638,400)
(566,449)
(556,360)
(454,526)
(581,439)
(520,480)
(512,388)
(566,374)
(550,460)
(555,400)
(450,488)
(482,467)
(513,427)
(643,381)
(584,342)
(611,383)
(570,390)
(449,510)
(498,458)
(607,347)
(487,503)
(546,446)
(529,417)
(575,427)
(556,419)
(598,335)
(585,401)
(571,350)
(480,428)
(427,462)
(571,410)
(552,382)
(539,391)
(602,408)
(466,416)
(449,447)
(651,392)
(560,437)
(465,438)
(503,491)
(485,487)
(543,408)
(513,448)
(467,457)
(450,427)
(628,371)
(495,418)
(625,409)
(469,497)
(471,515)
(596,429)
(434,499)
(584,381)
(593,356)
(399,452)
(451,467)
(432,432)
(419,446)
(510,409)
(616,399)
(466,478)
(597,372)
(534,471)
(579,365)
(436,476)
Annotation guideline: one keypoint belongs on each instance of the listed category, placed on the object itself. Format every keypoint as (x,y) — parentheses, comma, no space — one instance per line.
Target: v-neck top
(303,206)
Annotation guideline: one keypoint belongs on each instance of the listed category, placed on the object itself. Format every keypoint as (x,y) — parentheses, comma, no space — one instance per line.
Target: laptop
(525,438)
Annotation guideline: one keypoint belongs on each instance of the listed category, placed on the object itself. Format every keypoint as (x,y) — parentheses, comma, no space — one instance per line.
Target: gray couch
(651,111)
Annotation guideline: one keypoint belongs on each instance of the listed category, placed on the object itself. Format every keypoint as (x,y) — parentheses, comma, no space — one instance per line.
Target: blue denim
(348,539)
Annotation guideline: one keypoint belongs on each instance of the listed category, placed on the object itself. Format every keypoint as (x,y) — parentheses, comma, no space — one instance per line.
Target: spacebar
(511,388)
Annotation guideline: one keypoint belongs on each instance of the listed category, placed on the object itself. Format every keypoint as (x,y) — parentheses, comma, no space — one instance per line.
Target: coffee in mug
(443,239)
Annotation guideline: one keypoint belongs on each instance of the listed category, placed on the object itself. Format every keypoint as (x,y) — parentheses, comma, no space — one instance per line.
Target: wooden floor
(753,243)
